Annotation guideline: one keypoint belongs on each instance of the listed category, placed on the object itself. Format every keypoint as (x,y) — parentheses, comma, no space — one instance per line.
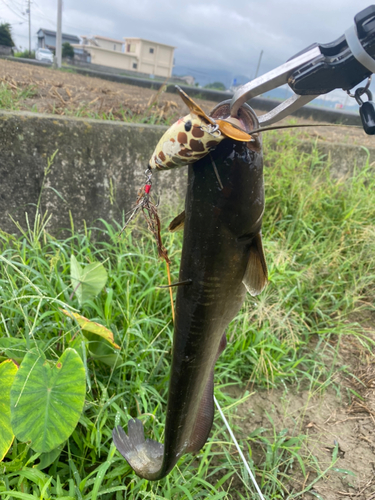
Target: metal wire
(239,450)
(363,88)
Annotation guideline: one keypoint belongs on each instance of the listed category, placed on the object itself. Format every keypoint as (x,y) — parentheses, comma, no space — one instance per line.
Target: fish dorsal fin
(193,106)
(256,275)
(177,223)
(233,132)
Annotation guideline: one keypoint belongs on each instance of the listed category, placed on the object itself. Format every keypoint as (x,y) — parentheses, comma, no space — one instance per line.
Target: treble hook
(148,174)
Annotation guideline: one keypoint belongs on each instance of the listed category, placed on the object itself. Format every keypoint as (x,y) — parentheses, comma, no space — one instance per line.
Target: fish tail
(145,456)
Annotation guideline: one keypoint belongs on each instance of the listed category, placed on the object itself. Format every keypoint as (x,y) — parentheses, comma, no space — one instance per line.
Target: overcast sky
(218,34)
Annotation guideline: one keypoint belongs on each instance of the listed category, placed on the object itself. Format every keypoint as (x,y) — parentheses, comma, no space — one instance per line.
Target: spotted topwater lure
(193,137)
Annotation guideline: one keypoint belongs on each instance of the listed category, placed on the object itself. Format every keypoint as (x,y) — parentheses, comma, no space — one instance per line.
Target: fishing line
(239,450)
(303,125)
(216,173)
(179,283)
(170,289)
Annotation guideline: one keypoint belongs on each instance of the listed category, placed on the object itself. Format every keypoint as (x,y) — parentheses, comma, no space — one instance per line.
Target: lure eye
(188,126)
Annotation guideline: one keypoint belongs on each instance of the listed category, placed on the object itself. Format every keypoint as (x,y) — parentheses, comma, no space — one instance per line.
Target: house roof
(149,41)
(108,39)
(93,48)
(74,38)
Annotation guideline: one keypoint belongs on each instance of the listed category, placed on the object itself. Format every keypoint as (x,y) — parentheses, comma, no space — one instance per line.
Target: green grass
(319,242)
(25,54)
(12,99)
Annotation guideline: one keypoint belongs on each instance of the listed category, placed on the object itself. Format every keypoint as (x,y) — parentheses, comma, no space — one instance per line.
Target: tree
(67,50)
(215,86)
(6,35)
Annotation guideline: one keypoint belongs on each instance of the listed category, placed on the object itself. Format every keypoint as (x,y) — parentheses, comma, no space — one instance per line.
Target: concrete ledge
(96,173)
(25,60)
(98,168)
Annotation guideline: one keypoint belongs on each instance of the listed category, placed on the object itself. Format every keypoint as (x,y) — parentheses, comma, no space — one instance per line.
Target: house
(47,39)
(153,58)
(105,52)
(104,42)
(131,54)
(5,50)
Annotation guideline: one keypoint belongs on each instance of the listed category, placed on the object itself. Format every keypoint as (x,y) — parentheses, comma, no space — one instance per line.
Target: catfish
(222,259)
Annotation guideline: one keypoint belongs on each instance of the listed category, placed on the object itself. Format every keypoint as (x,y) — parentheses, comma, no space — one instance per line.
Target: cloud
(211,34)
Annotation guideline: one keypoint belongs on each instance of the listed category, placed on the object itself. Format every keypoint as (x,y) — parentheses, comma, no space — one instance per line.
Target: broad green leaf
(87,281)
(102,351)
(92,326)
(8,370)
(16,349)
(13,348)
(46,459)
(47,399)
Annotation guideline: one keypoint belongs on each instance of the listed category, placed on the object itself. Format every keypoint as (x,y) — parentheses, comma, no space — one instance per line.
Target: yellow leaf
(92,326)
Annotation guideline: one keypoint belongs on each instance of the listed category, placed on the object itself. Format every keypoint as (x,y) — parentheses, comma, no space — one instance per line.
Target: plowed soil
(67,93)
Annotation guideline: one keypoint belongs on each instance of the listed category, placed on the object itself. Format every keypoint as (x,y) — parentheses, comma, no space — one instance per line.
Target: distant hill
(333,100)
(204,76)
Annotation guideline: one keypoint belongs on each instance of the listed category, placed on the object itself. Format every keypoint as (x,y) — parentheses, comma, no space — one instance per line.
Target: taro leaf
(46,459)
(87,281)
(47,399)
(8,370)
(15,348)
(102,351)
(92,326)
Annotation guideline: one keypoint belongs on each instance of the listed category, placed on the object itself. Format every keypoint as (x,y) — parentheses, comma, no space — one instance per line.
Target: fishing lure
(193,137)
(185,142)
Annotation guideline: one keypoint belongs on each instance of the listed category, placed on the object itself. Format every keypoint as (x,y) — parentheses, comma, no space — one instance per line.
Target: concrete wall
(110,58)
(153,58)
(159,62)
(115,45)
(98,169)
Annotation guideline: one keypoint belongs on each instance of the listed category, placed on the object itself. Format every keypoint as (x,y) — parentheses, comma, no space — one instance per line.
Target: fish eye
(188,126)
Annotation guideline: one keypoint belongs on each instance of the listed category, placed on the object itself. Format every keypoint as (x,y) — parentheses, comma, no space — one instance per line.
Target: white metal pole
(260,58)
(29,27)
(58,34)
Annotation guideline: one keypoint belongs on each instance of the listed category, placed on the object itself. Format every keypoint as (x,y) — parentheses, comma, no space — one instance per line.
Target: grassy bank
(319,242)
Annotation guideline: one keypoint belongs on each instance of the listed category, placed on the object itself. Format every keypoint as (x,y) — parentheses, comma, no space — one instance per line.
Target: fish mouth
(245,118)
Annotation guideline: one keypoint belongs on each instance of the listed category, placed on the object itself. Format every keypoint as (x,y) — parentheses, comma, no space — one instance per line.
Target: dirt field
(67,93)
(340,428)
(338,425)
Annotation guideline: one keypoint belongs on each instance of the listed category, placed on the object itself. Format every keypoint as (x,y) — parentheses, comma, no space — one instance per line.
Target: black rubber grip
(336,68)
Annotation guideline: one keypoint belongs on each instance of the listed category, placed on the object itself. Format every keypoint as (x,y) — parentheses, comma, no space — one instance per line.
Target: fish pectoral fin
(256,275)
(233,132)
(145,456)
(177,223)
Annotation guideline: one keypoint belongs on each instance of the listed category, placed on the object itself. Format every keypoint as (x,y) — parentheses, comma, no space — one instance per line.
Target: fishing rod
(319,69)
